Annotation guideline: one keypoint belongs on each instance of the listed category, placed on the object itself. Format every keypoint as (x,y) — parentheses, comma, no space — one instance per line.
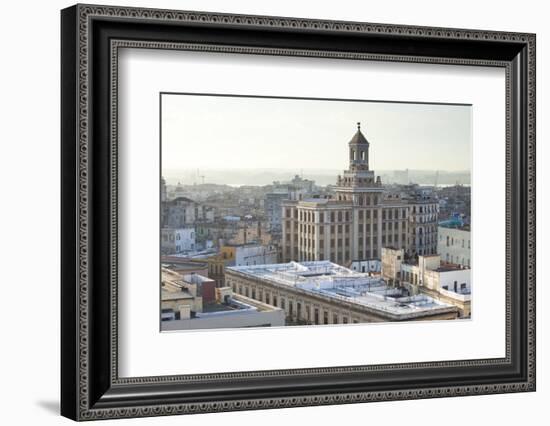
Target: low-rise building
(392,258)
(321,292)
(248,254)
(249,231)
(177,240)
(372,266)
(184,265)
(182,211)
(445,282)
(454,243)
(192,302)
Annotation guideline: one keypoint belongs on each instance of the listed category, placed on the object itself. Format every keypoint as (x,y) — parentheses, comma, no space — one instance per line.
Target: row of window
(295,311)
(461,261)
(424,230)
(215,269)
(344,242)
(390,239)
(334,256)
(367,200)
(425,219)
(181,248)
(309,216)
(419,241)
(333,228)
(361,227)
(334,217)
(451,241)
(177,237)
(354,155)
(431,208)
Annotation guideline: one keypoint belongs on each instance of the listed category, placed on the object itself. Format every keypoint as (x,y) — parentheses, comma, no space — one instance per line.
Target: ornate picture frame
(91,37)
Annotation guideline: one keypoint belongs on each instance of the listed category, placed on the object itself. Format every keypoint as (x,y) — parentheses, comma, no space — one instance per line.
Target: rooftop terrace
(339,283)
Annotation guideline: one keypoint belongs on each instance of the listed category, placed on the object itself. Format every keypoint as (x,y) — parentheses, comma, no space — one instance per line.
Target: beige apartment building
(360,219)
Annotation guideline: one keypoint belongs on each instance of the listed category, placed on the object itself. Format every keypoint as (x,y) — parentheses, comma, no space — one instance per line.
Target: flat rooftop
(454,223)
(448,267)
(175,295)
(343,284)
(182,261)
(237,303)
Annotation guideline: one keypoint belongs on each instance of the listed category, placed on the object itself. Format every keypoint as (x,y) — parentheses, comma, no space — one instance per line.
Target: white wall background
(29,179)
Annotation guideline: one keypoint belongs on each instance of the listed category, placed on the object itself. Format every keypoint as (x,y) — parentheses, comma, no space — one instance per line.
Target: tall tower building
(359,220)
(358,183)
(359,151)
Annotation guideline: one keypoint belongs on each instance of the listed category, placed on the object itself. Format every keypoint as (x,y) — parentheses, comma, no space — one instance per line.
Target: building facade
(177,240)
(182,211)
(423,218)
(454,245)
(192,301)
(273,210)
(360,219)
(448,283)
(248,254)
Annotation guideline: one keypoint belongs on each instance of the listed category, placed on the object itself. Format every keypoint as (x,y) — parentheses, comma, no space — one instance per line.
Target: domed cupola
(359,151)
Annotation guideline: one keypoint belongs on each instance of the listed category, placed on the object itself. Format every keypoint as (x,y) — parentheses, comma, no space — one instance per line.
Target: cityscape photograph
(310,212)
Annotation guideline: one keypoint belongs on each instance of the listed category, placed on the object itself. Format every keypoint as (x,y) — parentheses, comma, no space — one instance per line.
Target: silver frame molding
(91,39)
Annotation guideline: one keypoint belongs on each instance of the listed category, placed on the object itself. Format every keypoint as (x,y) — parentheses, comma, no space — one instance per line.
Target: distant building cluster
(453,200)
(294,253)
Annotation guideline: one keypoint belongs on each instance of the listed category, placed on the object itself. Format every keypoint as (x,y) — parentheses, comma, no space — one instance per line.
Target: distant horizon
(321,177)
(290,169)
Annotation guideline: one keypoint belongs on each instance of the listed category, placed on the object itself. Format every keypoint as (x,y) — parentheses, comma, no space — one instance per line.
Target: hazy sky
(215,132)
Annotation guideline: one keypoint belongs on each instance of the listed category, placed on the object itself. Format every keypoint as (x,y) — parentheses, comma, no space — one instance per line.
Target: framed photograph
(265,212)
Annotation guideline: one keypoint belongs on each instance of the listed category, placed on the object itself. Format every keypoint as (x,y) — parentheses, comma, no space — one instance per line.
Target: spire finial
(358,125)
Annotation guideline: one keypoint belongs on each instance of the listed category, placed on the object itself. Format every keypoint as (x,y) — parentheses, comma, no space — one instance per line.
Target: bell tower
(358,151)
(358,177)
